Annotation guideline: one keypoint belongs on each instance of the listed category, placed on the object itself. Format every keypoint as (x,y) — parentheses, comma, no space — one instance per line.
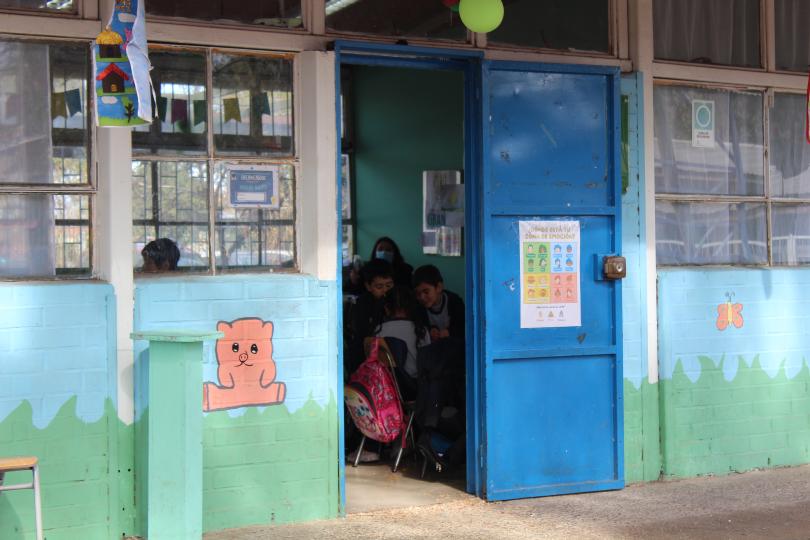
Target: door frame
(476,109)
(429,58)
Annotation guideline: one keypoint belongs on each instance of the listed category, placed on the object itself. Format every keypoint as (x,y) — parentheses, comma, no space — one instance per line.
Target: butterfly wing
(722,316)
(736,315)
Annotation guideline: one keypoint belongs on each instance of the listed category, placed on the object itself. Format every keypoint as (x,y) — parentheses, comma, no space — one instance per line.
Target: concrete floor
(773,505)
(371,487)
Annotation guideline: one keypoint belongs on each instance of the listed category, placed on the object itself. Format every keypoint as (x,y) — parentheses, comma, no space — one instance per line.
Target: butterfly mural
(728,313)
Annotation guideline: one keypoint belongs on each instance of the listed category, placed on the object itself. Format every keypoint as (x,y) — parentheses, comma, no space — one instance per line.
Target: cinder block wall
(57,392)
(271,464)
(735,399)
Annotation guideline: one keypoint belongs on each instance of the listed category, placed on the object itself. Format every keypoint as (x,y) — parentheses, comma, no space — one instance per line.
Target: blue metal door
(552,396)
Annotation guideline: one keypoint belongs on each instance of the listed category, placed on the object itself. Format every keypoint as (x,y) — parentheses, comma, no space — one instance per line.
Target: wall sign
(549,274)
(442,213)
(253,186)
(702,123)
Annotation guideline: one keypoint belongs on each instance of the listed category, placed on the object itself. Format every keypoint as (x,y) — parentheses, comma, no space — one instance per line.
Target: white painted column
(317,182)
(113,244)
(641,52)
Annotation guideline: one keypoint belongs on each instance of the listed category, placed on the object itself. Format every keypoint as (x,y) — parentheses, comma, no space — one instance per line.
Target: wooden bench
(24,463)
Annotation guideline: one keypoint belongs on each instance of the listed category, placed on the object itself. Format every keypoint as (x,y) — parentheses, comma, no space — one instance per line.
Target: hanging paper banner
(121,66)
(550,293)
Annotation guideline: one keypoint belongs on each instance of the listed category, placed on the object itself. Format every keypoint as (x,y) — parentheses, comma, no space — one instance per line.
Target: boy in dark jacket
(440,399)
(443,310)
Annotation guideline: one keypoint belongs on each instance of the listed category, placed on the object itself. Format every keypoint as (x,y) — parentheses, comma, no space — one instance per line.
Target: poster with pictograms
(549,274)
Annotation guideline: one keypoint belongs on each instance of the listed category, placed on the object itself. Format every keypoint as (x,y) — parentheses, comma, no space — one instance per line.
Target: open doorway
(402,142)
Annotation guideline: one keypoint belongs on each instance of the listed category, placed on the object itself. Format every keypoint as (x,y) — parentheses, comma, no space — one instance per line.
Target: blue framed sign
(253,186)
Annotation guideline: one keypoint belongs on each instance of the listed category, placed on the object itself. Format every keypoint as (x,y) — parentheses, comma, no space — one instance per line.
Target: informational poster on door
(702,123)
(550,293)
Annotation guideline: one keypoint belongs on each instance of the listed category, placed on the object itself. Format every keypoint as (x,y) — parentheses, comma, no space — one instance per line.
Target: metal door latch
(610,267)
(614,267)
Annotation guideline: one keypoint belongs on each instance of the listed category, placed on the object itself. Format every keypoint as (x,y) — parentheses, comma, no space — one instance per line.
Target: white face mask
(387,256)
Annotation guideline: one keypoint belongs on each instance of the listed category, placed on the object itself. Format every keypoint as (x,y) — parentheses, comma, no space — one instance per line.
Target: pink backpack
(372,400)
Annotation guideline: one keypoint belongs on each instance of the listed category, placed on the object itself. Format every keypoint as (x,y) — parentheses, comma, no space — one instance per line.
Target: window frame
(768,96)
(212,159)
(89,189)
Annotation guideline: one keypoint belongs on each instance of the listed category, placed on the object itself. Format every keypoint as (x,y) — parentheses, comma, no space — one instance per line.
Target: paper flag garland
(58,107)
(73,100)
(232,112)
(200,111)
(121,64)
(179,110)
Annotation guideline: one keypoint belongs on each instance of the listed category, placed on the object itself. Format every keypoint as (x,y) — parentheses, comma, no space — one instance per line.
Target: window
(45,188)
(56,6)
(181,163)
(274,13)
(713,202)
(417,18)
(723,32)
(792,45)
(582,25)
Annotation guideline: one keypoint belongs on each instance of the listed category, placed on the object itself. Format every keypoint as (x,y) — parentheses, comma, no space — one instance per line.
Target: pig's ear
(267,328)
(223,326)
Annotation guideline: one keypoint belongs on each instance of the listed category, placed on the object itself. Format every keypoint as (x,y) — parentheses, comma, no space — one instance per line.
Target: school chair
(24,463)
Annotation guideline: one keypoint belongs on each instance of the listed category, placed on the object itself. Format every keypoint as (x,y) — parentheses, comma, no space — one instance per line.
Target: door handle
(614,267)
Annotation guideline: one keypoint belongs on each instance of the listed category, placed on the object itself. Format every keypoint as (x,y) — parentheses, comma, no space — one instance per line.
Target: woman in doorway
(386,249)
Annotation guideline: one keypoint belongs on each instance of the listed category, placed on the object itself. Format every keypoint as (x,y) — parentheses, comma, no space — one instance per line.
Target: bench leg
(37,503)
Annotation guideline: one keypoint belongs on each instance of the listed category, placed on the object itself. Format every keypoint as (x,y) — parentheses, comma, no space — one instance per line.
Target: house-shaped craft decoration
(112,80)
(109,44)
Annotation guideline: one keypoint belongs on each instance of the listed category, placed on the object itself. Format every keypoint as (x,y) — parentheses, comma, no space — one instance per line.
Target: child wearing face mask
(388,250)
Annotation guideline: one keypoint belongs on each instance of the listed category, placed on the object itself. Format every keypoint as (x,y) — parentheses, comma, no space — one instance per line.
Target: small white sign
(702,123)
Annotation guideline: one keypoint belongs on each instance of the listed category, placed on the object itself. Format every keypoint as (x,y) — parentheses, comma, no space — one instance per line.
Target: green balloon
(481,15)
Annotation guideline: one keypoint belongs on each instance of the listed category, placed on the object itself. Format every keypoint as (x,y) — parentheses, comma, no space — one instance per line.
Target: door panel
(553,403)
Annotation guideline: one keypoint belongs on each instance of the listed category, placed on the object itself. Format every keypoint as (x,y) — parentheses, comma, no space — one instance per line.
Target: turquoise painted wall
(739,398)
(406,121)
(57,402)
(261,465)
(641,429)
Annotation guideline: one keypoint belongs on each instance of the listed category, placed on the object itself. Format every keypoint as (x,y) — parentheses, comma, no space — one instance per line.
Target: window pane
(43,127)
(790,153)
(276,13)
(182,108)
(170,200)
(791,234)
(707,31)
(253,106)
(43,235)
(555,24)
(58,6)
(257,237)
(792,45)
(710,233)
(733,164)
(417,18)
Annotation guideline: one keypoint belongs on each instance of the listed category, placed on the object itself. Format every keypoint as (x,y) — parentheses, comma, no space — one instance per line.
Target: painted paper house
(109,44)
(112,79)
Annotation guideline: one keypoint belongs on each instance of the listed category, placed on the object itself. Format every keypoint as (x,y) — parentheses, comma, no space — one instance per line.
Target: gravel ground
(772,504)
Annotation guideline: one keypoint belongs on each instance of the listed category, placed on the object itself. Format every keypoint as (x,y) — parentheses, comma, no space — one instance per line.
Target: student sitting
(367,313)
(443,310)
(402,323)
(386,249)
(440,401)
